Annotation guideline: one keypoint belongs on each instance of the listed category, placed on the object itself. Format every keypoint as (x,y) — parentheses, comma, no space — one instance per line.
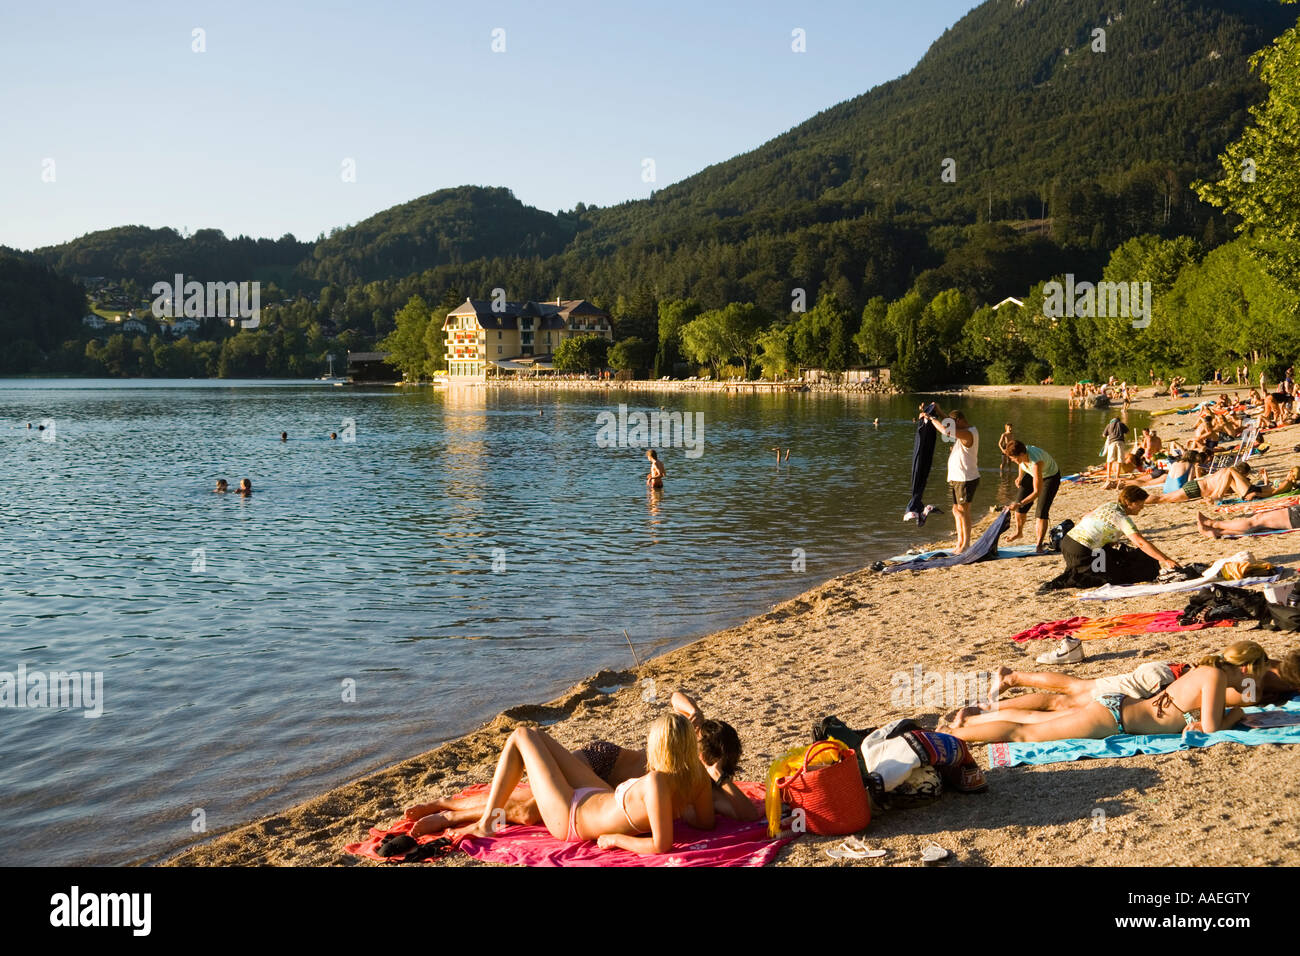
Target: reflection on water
(462,555)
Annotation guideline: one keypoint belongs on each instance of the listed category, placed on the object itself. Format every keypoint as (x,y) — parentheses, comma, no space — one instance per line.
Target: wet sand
(833,650)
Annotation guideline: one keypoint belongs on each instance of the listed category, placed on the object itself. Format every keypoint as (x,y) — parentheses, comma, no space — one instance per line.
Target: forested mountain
(449,226)
(38,309)
(1016,96)
(148,255)
(1034,138)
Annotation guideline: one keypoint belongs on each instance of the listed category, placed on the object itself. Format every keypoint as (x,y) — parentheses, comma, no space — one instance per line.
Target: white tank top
(963,462)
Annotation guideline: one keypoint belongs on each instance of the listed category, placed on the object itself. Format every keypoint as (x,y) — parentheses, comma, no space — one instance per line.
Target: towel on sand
(1287,715)
(1110,592)
(1116,625)
(985,548)
(730,843)
(1004,551)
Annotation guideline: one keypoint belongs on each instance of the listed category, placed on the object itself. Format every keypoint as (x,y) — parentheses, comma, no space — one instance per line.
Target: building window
(498,350)
(498,336)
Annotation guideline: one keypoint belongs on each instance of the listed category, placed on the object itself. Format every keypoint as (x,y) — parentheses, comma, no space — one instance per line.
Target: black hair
(720,744)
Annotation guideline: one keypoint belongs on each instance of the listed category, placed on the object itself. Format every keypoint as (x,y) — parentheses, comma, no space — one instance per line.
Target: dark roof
(549,314)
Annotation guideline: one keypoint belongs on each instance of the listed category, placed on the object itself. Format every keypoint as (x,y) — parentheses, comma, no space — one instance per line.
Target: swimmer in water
(657,474)
(876,423)
(245,487)
(221,488)
(284,436)
(334,436)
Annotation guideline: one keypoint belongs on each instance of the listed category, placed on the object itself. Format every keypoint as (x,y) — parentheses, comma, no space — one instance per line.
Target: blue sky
(250,136)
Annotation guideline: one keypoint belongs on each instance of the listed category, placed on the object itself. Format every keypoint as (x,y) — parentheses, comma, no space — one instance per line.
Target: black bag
(1056,534)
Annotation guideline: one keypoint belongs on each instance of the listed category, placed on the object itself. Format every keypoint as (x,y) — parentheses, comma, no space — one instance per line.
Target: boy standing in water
(1005,439)
(657,474)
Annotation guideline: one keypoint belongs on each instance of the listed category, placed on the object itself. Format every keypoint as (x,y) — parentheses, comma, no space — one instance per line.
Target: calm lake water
(469,551)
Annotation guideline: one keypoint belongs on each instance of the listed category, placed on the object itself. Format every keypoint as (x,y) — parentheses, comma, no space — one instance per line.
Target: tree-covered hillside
(449,226)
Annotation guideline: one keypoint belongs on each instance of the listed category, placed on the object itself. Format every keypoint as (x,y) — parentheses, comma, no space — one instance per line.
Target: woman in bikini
(576,805)
(657,474)
(720,752)
(1064,692)
(1194,701)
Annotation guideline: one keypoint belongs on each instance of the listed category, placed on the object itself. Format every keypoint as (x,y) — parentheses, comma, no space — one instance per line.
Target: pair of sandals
(855,849)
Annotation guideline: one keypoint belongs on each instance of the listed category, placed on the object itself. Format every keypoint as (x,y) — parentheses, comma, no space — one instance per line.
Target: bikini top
(1165,701)
(620,797)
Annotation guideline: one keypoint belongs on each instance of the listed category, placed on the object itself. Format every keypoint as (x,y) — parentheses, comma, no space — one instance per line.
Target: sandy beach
(833,649)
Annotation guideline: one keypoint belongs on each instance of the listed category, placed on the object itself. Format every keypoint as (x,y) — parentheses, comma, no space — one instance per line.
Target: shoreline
(833,650)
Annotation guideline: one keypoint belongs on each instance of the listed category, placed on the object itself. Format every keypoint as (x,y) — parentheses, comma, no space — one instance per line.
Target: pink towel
(730,843)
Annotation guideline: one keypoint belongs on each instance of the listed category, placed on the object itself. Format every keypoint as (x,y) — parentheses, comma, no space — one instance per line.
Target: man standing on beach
(963,466)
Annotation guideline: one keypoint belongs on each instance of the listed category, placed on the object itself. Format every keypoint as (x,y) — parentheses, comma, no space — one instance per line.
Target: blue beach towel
(1126,745)
(985,548)
(1004,551)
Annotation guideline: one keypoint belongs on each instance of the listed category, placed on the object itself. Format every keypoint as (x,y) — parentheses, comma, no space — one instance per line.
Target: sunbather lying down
(1195,701)
(1281,679)
(719,750)
(1230,482)
(1274,519)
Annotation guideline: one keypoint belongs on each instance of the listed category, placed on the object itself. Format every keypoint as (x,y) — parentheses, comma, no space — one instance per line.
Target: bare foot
(1000,682)
(424,809)
(1204,527)
(959,716)
(478,829)
(430,823)
(1014,537)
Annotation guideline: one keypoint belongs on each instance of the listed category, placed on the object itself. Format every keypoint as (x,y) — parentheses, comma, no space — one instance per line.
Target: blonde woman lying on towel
(577,805)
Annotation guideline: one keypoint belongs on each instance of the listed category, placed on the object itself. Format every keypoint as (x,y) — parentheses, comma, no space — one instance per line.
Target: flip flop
(933,853)
(854,849)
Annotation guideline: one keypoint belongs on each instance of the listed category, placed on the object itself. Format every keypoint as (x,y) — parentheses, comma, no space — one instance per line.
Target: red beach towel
(730,843)
(1116,625)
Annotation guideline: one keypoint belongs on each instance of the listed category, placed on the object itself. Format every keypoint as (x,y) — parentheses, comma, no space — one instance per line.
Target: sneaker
(1070,652)
(932,510)
(911,516)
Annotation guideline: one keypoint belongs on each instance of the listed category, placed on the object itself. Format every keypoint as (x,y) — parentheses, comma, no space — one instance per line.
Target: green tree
(876,340)
(632,355)
(581,353)
(407,340)
(673,315)
(721,335)
(776,352)
(820,335)
(1261,181)
(943,320)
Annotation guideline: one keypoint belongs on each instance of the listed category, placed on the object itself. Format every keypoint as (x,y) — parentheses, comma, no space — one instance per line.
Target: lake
(452,554)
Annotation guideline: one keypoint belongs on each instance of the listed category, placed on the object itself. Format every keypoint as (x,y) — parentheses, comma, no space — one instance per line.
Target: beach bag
(831,796)
(1056,534)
